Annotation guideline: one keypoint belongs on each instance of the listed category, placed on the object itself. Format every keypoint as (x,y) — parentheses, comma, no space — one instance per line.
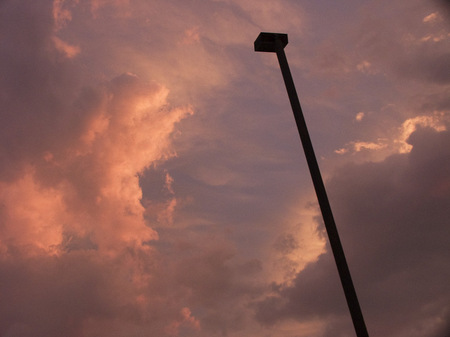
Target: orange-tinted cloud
(92,188)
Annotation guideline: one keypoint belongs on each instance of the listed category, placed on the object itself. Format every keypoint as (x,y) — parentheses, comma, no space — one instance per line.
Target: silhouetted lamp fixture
(275,43)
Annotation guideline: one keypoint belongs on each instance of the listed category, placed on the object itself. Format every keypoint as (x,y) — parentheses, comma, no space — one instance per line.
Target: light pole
(275,43)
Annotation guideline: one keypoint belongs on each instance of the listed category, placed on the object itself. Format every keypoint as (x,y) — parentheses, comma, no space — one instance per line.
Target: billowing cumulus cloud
(74,239)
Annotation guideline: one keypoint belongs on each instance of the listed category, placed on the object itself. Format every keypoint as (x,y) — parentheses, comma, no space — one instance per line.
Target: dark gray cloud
(413,46)
(393,220)
(36,84)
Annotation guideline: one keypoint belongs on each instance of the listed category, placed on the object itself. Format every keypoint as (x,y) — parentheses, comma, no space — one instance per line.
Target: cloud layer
(152,182)
(393,221)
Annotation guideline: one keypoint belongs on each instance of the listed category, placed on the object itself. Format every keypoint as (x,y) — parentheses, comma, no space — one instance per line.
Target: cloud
(126,127)
(409,57)
(397,141)
(61,15)
(84,249)
(74,246)
(67,49)
(433,17)
(410,125)
(120,215)
(392,218)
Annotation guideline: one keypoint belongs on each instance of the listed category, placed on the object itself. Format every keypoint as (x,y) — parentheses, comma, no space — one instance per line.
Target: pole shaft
(335,242)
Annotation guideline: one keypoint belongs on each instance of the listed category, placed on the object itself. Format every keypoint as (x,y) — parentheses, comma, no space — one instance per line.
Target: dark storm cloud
(393,219)
(431,68)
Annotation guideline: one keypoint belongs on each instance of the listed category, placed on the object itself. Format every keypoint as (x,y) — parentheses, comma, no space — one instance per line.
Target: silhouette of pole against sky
(275,43)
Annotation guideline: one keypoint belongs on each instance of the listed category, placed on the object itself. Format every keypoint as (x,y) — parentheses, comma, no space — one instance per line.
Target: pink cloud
(94,189)
(65,48)
(74,246)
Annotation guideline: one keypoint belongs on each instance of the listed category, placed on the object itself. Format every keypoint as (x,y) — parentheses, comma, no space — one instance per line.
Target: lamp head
(267,42)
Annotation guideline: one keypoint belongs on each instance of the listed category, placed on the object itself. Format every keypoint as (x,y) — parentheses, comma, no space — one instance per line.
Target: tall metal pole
(272,42)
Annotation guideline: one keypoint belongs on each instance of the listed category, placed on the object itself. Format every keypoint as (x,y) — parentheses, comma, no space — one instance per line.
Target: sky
(152,181)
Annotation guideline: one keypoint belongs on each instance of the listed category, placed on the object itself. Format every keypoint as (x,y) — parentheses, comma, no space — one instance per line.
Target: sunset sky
(152,180)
